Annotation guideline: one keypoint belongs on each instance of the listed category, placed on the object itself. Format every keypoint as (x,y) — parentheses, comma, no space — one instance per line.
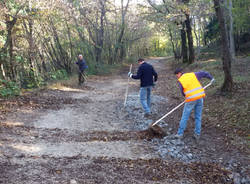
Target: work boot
(177,136)
(147,115)
(196,137)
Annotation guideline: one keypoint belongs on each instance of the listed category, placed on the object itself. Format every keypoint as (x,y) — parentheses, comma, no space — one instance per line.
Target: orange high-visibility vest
(191,87)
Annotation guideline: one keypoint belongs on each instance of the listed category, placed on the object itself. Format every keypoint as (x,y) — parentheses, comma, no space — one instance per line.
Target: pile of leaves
(160,170)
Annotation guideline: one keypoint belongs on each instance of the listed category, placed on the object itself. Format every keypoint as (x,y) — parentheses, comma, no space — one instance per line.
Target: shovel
(157,129)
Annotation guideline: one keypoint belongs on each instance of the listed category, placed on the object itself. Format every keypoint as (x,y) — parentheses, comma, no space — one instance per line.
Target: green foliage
(159,53)
(160,45)
(212,30)
(103,69)
(131,59)
(30,80)
(241,15)
(58,75)
(19,59)
(8,88)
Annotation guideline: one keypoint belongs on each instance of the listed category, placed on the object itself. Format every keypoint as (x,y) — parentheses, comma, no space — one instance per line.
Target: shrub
(58,75)
(29,80)
(8,88)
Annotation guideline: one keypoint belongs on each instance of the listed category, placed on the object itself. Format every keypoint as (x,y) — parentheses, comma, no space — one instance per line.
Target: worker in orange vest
(194,93)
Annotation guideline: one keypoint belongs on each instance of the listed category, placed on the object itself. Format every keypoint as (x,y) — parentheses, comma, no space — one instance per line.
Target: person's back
(146,74)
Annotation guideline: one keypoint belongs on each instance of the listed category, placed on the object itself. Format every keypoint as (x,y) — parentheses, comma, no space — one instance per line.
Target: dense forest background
(41,39)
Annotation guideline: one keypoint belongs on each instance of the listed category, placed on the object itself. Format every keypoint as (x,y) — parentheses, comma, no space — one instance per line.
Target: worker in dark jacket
(194,93)
(147,76)
(82,66)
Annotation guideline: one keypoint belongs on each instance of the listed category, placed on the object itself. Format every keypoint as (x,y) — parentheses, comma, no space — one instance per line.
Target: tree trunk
(10,25)
(172,43)
(184,52)
(190,39)
(100,32)
(63,55)
(231,32)
(122,51)
(199,39)
(197,36)
(31,52)
(237,42)
(119,44)
(204,32)
(70,41)
(226,55)
(3,72)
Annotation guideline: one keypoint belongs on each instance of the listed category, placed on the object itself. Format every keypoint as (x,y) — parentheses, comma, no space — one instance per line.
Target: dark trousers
(81,77)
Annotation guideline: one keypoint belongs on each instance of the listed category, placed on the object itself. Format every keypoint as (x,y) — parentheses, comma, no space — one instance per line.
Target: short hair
(140,60)
(178,70)
(79,55)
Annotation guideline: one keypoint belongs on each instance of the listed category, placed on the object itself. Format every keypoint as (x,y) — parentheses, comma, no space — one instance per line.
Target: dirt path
(85,135)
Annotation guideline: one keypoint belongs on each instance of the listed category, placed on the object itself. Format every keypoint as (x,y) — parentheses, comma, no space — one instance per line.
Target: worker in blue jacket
(147,76)
(82,66)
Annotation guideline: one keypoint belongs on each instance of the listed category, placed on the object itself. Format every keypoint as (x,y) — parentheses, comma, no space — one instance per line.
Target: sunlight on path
(115,149)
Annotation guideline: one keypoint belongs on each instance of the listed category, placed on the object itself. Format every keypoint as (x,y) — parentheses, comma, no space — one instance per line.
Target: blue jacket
(81,64)
(146,74)
(199,76)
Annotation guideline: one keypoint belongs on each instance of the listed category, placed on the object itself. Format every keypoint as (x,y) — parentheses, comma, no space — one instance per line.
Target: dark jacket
(146,74)
(82,65)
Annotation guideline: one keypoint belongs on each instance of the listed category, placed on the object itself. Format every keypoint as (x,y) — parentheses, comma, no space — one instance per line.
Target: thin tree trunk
(29,32)
(205,24)
(100,32)
(226,55)
(177,45)
(197,36)
(119,44)
(70,41)
(172,43)
(3,72)
(190,39)
(199,39)
(184,45)
(231,32)
(63,54)
(9,43)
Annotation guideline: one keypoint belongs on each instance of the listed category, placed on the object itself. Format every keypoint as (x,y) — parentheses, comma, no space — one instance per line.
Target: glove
(153,84)
(212,80)
(130,74)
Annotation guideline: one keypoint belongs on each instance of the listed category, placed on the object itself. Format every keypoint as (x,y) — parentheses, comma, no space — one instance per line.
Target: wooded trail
(85,135)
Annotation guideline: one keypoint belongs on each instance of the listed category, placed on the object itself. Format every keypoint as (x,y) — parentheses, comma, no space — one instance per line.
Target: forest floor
(67,134)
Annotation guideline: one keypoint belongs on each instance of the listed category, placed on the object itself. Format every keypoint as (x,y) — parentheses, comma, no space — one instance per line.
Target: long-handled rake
(84,77)
(126,94)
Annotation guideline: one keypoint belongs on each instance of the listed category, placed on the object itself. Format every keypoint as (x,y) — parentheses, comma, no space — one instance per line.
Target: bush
(8,88)
(58,75)
(30,80)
